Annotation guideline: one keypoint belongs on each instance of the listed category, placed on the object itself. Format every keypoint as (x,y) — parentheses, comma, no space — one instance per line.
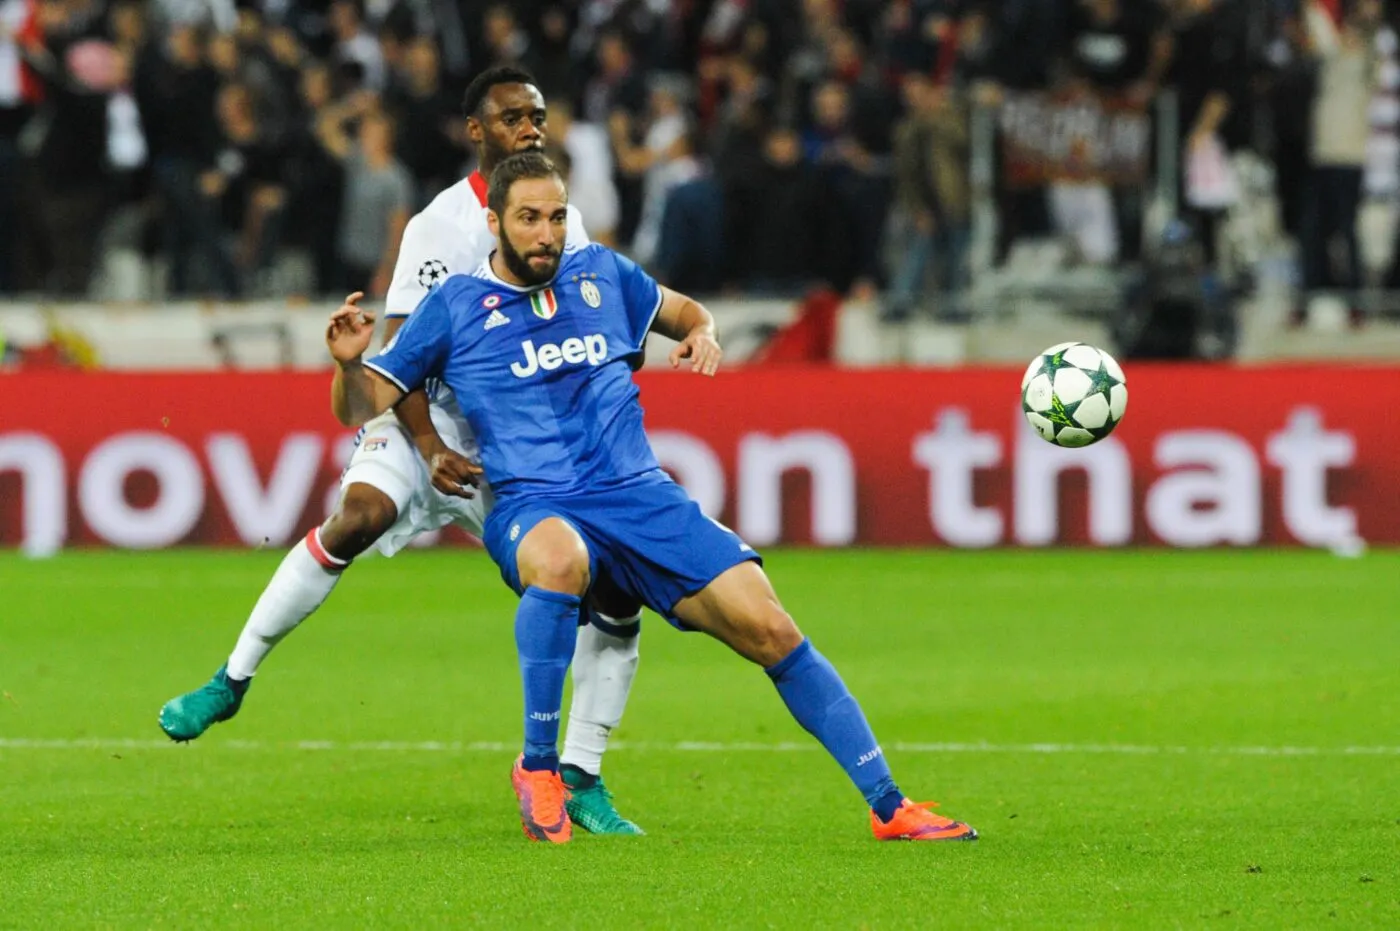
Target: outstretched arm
(686,321)
(357,393)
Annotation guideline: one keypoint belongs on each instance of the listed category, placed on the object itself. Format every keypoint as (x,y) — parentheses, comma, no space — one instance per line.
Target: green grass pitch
(1144,739)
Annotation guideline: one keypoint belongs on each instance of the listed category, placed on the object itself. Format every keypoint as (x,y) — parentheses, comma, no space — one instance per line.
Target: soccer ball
(1074,394)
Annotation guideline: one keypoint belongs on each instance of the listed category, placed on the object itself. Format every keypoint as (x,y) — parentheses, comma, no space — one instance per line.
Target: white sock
(603,668)
(300,584)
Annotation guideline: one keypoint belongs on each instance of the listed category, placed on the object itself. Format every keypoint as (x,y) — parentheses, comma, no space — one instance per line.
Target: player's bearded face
(533,265)
(533,229)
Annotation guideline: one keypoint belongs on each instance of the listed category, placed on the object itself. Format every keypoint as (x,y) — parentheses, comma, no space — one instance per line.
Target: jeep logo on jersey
(591,349)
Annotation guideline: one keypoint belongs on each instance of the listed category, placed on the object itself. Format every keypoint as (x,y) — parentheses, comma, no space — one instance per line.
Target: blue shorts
(645,537)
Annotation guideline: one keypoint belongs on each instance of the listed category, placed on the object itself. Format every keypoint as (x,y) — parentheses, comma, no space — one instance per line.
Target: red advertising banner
(1206,456)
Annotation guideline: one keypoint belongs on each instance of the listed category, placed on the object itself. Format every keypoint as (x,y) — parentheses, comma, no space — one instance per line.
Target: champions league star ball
(1074,394)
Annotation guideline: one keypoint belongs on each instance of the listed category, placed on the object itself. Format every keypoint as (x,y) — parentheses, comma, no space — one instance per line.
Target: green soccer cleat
(590,804)
(190,715)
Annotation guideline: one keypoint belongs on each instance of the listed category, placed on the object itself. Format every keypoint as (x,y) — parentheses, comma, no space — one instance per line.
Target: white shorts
(385,458)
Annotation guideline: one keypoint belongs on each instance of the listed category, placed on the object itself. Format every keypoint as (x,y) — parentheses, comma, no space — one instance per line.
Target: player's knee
(558,572)
(554,557)
(771,634)
(363,516)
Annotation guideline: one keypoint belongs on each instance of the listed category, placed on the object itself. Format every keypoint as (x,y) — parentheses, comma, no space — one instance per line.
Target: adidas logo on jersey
(592,349)
(496,319)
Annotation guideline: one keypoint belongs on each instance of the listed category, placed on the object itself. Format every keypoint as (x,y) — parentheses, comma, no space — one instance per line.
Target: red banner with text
(1206,456)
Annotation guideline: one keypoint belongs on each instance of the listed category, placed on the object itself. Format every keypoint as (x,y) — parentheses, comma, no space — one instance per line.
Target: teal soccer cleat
(190,715)
(590,804)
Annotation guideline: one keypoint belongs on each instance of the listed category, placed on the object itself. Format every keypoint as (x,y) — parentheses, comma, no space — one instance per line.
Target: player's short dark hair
(481,85)
(522,166)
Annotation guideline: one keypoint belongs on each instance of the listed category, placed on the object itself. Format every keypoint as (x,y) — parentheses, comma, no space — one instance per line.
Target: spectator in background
(689,253)
(918,35)
(1290,79)
(856,193)
(972,59)
(1026,37)
(1210,73)
(176,93)
(425,113)
(650,164)
(1346,80)
(553,66)
(268,68)
(674,160)
(72,157)
(127,157)
(316,181)
(506,42)
(780,249)
(208,16)
(1009,47)
(20,89)
(1117,48)
(248,183)
(587,151)
(378,194)
(616,83)
(356,46)
(932,198)
(286,56)
(1119,51)
(243,62)
(745,89)
(640,145)
(395,33)
(738,136)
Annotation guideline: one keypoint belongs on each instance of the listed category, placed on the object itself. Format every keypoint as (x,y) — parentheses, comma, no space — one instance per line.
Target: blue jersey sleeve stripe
(389,375)
(651,319)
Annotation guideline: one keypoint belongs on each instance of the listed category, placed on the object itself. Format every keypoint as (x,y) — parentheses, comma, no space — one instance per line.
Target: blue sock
(822,704)
(546,627)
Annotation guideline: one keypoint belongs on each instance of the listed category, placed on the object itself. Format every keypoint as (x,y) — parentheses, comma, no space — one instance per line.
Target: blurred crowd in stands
(743,146)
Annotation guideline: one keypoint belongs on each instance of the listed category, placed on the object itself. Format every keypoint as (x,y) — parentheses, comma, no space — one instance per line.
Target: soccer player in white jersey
(404,478)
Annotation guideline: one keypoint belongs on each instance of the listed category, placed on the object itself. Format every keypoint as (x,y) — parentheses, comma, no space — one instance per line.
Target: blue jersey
(543,375)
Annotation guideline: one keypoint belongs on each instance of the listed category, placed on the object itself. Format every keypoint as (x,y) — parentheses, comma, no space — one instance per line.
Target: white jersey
(448,237)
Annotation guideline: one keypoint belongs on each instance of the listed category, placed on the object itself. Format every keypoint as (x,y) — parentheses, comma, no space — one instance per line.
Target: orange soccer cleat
(542,796)
(914,821)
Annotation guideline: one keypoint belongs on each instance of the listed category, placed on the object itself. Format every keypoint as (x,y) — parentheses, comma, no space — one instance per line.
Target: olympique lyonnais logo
(374,442)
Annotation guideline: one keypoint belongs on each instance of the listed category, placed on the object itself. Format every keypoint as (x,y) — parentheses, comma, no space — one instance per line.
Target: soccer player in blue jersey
(536,346)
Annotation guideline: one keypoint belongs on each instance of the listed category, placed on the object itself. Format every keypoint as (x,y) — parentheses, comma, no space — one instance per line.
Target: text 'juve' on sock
(822,704)
(546,627)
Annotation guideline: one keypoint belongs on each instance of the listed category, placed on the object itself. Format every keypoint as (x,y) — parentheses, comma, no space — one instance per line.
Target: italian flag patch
(544,304)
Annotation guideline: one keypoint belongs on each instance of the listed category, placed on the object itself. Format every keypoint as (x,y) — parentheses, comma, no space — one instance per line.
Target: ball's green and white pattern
(1074,394)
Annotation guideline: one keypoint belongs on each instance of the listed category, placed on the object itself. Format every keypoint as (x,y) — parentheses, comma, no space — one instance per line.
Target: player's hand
(350,331)
(454,474)
(703,351)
